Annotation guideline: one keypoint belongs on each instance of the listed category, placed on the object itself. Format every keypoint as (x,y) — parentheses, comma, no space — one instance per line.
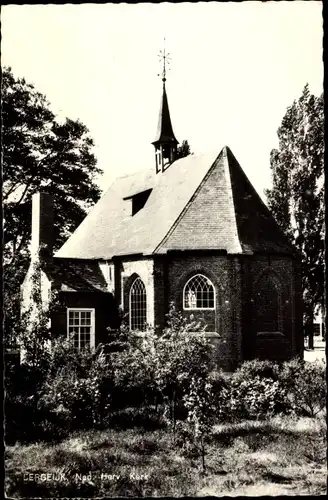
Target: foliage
(78,386)
(199,402)
(134,367)
(33,338)
(257,368)
(39,153)
(183,150)
(253,391)
(259,389)
(24,382)
(220,383)
(33,330)
(255,398)
(181,353)
(305,384)
(297,196)
(146,417)
(154,369)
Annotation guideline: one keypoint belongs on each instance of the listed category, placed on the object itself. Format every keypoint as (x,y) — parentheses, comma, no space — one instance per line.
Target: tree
(199,401)
(39,153)
(182,352)
(297,196)
(183,150)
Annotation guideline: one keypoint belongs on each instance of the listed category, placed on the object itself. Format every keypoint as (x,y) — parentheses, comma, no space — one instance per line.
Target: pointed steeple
(164,128)
(165,142)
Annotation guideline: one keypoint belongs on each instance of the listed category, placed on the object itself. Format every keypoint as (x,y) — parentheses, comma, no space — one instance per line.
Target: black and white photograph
(163,249)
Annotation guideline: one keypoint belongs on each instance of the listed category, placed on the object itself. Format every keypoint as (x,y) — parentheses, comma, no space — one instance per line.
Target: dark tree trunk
(310,332)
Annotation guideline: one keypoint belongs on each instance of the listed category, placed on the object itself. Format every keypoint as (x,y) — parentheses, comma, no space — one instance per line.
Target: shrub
(255,397)
(153,370)
(253,391)
(23,390)
(257,368)
(134,369)
(182,353)
(220,383)
(305,386)
(78,387)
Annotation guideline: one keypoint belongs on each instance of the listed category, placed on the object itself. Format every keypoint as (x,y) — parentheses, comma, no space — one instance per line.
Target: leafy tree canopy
(183,150)
(297,196)
(40,153)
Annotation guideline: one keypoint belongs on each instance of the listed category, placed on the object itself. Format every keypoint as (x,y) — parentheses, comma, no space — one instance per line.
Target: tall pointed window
(138,305)
(199,293)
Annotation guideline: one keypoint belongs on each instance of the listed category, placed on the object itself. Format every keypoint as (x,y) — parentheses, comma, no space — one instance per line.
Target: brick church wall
(161,289)
(232,326)
(224,321)
(283,341)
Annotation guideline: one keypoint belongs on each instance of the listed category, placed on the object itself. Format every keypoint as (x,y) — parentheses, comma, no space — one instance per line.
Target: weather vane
(166,58)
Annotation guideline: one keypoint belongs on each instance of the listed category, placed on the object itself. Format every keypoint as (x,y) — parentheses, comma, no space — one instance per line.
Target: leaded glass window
(199,293)
(138,305)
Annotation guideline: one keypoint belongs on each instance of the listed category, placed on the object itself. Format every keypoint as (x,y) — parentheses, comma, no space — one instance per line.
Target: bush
(255,397)
(134,371)
(78,387)
(253,391)
(257,368)
(23,390)
(305,386)
(26,424)
(221,383)
(181,354)
(154,370)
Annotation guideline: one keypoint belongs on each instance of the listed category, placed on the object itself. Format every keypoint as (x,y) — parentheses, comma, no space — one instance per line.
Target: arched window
(199,293)
(138,305)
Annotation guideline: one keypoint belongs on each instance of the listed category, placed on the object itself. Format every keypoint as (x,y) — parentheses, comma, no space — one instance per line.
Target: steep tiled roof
(257,229)
(200,202)
(76,275)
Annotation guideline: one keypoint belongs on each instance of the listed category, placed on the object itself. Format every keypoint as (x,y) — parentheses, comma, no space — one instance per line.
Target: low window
(81,327)
(199,293)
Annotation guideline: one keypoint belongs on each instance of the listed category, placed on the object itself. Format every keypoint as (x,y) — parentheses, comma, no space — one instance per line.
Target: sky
(234,70)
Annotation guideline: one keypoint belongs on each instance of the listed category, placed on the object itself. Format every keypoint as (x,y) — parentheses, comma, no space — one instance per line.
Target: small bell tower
(165,143)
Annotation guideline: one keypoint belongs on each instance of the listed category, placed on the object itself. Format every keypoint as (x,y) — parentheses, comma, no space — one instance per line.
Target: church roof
(164,128)
(199,203)
(76,275)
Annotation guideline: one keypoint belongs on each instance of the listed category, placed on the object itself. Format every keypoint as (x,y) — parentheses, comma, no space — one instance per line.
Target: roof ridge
(227,174)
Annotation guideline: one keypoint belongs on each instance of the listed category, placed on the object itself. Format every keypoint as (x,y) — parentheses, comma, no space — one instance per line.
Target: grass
(280,456)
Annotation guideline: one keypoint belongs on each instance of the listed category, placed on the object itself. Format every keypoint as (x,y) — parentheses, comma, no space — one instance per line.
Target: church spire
(165,143)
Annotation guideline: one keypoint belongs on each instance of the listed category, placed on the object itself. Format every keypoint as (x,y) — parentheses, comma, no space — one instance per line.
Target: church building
(190,231)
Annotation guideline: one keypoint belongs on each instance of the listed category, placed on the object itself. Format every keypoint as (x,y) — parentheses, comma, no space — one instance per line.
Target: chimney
(42,224)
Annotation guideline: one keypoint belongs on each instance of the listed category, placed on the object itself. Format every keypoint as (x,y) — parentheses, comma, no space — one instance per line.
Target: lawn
(279,456)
